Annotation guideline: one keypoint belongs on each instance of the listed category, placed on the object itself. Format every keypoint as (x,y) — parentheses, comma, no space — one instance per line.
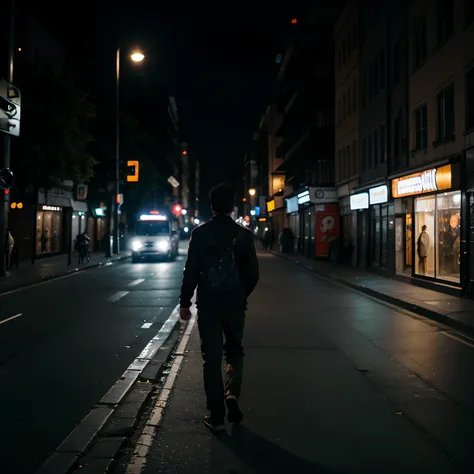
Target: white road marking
(148,433)
(459,339)
(11,318)
(147,326)
(116,296)
(136,282)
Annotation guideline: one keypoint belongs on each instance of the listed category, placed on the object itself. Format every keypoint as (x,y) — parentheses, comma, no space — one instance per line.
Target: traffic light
(132,171)
(177,209)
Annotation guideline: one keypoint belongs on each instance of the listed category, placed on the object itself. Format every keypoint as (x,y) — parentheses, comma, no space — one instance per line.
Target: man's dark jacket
(221,231)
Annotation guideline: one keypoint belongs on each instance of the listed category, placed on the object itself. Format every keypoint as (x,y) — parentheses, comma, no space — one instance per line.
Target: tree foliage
(54,140)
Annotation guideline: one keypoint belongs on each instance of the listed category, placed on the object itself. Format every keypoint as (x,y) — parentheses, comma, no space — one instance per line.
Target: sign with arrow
(10,108)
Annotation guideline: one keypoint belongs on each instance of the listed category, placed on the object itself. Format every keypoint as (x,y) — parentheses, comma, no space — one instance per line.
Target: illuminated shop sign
(359,201)
(292,205)
(378,195)
(436,179)
(271,206)
(304,197)
(51,208)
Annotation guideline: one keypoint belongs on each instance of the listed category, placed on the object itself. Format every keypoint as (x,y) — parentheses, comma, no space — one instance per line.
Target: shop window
(376,234)
(437,234)
(446,114)
(421,128)
(48,232)
(425,233)
(384,237)
(449,236)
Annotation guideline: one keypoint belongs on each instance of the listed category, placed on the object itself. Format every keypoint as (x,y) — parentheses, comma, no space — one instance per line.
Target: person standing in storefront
(423,244)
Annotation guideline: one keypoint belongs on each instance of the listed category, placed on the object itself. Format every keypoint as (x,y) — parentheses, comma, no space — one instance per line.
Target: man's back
(206,242)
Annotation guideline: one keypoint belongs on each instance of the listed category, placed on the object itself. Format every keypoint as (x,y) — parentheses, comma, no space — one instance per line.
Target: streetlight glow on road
(137,57)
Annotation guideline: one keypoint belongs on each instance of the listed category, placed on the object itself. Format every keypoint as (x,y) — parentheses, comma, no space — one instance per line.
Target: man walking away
(222,264)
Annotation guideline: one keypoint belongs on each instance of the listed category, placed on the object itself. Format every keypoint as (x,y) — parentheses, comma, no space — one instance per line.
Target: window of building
(420,49)
(382,70)
(437,234)
(49,231)
(354,95)
(364,90)
(369,152)
(364,153)
(468,12)
(376,147)
(349,102)
(370,86)
(343,164)
(470,100)
(349,161)
(376,83)
(397,135)
(382,144)
(354,158)
(397,62)
(446,114)
(344,106)
(338,166)
(339,59)
(421,128)
(445,24)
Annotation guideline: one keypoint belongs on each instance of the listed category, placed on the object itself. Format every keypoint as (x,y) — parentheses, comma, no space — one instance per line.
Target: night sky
(219,64)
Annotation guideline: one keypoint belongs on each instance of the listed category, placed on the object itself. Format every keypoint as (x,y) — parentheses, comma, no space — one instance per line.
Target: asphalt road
(334,382)
(74,339)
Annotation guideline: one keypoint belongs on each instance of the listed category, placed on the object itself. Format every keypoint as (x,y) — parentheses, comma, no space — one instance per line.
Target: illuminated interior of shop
(48,232)
(439,242)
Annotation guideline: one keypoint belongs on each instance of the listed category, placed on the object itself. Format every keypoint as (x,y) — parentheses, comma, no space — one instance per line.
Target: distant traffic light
(177,209)
(132,171)
(294,21)
(184,152)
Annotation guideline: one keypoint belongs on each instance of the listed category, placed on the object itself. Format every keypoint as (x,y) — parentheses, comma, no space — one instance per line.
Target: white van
(154,236)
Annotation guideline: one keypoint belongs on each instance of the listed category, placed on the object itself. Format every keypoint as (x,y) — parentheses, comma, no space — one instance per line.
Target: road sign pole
(5,201)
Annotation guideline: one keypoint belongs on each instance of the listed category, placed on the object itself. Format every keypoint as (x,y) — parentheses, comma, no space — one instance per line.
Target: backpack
(222,275)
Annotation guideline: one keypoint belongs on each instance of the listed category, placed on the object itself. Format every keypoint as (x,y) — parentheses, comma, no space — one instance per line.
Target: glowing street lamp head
(252,191)
(137,57)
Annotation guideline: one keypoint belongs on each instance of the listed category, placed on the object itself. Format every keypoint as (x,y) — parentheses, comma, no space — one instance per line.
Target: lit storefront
(313,216)
(428,224)
(49,229)
(360,203)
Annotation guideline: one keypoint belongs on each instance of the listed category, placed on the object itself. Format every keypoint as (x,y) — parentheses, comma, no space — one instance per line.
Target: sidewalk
(448,309)
(308,410)
(47,268)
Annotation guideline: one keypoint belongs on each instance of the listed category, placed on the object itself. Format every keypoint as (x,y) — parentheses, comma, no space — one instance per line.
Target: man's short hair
(423,228)
(222,199)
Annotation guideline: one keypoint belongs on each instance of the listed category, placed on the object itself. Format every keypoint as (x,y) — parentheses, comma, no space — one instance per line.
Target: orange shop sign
(436,179)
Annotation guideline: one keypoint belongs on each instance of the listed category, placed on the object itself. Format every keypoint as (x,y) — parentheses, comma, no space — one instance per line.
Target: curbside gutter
(93,445)
(55,276)
(414,308)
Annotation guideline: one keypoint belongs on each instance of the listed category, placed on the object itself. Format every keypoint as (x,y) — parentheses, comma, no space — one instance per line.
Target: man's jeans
(221,331)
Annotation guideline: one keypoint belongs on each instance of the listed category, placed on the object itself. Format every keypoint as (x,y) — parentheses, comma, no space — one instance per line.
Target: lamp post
(136,57)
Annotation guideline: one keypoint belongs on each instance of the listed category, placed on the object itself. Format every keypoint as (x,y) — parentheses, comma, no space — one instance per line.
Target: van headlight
(163,245)
(136,245)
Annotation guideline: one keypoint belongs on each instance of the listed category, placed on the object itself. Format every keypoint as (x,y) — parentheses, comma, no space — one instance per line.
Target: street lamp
(252,191)
(136,57)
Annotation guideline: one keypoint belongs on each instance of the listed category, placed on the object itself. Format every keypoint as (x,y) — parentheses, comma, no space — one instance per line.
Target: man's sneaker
(234,413)
(214,423)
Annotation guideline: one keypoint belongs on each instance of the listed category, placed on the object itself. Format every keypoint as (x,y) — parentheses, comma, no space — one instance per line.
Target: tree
(54,140)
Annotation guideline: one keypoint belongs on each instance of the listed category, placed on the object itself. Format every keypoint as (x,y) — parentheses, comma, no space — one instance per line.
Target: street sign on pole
(10,108)
(173,181)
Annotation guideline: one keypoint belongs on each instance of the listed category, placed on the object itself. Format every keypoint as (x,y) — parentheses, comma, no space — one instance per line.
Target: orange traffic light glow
(294,21)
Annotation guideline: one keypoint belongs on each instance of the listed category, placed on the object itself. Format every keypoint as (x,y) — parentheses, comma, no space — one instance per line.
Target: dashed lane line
(3,321)
(117,295)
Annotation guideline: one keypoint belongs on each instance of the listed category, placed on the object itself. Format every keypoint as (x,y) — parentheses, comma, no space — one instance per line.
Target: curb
(414,308)
(93,445)
(55,276)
